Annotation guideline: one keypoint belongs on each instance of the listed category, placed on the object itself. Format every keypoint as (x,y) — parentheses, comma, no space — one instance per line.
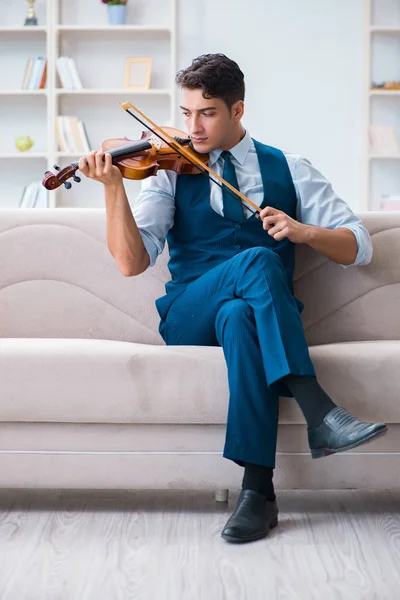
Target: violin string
(204,172)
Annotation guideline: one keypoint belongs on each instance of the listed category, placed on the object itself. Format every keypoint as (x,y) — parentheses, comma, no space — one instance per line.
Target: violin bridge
(155,141)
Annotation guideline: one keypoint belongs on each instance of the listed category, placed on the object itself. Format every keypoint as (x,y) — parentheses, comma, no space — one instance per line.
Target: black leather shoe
(252,518)
(340,431)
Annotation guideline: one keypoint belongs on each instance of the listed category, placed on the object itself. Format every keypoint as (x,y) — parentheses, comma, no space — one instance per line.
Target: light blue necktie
(233,208)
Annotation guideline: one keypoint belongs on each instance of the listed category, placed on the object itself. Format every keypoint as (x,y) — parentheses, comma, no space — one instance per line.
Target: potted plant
(116,11)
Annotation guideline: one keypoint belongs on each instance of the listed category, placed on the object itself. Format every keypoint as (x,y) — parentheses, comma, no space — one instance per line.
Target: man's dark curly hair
(217,75)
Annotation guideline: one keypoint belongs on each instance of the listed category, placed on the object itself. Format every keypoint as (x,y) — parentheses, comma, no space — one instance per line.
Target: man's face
(209,122)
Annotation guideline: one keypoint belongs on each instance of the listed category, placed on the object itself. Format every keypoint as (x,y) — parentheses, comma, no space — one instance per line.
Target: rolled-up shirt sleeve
(154,209)
(318,204)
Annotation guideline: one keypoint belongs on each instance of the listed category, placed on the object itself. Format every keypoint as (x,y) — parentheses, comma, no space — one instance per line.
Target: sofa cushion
(105,381)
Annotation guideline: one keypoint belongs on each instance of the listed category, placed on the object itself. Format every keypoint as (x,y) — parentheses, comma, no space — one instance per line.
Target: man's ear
(237,110)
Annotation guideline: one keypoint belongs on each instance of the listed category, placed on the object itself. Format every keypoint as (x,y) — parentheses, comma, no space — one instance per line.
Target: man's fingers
(268,222)
(280,235)
(274,230)
(99,157)
(268,210)
(277,231)
(99,163)
(91,159)
(86,164)
(83,165)
(267,226)
(107,163)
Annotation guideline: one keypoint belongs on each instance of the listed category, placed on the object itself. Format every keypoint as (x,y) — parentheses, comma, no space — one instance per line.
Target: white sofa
(92,398)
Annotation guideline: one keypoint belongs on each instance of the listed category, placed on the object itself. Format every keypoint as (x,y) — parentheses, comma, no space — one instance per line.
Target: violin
(136,159)
(158,148)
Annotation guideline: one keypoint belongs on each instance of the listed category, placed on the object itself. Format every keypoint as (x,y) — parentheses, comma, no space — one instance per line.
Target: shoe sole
(253,538)
(321,452)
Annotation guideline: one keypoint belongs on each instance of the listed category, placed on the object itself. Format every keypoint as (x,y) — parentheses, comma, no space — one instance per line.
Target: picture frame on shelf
(137,73)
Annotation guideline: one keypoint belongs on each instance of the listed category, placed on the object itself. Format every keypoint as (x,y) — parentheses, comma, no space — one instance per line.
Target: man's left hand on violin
(280,226)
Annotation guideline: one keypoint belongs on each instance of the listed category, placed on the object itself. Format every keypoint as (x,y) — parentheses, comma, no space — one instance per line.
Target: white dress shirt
(317,203)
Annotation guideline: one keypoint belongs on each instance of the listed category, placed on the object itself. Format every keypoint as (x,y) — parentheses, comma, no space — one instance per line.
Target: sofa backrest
(353,303)
(58,279)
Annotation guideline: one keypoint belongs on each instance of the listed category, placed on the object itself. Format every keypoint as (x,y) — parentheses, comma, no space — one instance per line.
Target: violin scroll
(52,181)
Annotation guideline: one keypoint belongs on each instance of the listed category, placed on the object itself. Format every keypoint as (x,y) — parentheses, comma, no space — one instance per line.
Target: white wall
(303,67)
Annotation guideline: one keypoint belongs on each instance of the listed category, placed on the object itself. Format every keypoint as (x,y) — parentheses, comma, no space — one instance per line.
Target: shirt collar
(239,152)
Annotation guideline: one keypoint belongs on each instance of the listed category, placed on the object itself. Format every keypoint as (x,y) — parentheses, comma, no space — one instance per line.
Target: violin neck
(124,151)
(128,150)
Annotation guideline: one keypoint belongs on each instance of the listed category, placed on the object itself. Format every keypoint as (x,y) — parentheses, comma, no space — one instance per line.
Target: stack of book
(68,73)
(34,195)
(35,73)
(71,135)
(383,140)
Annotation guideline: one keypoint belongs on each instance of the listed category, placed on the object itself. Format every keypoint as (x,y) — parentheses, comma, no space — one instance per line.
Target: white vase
(116,14)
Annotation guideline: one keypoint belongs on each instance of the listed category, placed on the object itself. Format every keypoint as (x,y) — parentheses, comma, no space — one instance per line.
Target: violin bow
(192,158)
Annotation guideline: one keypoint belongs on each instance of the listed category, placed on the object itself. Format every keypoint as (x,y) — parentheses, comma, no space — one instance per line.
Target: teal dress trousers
(232,285)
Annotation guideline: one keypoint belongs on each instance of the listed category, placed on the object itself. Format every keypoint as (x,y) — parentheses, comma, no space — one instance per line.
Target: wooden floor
(337,545)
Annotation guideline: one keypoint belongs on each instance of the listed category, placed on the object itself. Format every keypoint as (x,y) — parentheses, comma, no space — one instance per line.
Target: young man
(232,275)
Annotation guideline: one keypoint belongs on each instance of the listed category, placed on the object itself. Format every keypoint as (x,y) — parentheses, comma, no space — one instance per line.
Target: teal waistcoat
(201,239)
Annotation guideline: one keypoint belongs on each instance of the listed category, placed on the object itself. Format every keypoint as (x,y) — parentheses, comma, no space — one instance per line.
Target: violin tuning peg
(56,167)
(77,179)
(68,185)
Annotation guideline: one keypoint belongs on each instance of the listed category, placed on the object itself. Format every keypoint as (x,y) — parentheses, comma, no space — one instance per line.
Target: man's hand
(95,168)
(340,244)
(279,225)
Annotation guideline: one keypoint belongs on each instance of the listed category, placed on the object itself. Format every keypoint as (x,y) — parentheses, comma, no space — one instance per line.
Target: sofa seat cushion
(105,381)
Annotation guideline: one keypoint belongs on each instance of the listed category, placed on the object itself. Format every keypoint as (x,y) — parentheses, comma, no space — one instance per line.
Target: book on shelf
(71,135)
(68,73)
(35,73)
(34,195)
(382,140)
